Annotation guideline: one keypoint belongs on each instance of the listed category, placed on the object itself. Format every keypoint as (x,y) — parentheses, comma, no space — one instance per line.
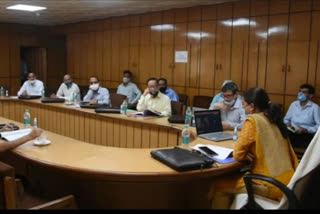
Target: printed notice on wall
(181,57)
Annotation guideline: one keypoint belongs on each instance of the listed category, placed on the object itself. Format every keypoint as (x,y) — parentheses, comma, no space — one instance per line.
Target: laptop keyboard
(216,135)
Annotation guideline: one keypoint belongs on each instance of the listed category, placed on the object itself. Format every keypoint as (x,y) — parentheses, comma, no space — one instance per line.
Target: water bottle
(43,93)
(75,98)
(35,123)
(188,116)
(1,91)
(123,107)
(27,119)
(7,93)
(185,137)
(235,134)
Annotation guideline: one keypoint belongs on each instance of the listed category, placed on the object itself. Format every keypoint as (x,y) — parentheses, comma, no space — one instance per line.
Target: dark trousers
(300,140)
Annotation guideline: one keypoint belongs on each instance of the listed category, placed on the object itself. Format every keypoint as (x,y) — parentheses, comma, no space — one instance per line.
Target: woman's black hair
(272,111)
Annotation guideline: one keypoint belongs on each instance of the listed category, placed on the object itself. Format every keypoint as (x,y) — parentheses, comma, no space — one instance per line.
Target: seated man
(68,89)
(152,99)
(129,89)
(218,98)
(97,94)
(32,86)
(232,112)
(162,82)
(7,145)
(303,117)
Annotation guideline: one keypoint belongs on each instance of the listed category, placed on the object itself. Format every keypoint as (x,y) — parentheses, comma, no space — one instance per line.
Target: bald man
(67,89)
(32,86)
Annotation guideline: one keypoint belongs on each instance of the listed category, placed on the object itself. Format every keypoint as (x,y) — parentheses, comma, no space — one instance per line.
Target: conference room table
(103,171)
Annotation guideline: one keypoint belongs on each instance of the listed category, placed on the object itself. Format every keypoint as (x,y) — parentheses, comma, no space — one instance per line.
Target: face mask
(229,103)
(94,87)
(32,82)
(163,89)
(302,97)
(126,80)
(68,84)
(154,94)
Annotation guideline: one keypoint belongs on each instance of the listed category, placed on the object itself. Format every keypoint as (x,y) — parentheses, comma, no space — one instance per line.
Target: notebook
(209,125)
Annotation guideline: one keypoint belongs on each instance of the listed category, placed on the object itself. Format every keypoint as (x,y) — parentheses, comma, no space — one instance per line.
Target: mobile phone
(207,151)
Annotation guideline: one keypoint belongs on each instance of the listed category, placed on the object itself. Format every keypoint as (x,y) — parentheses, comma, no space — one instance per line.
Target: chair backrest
(112,90)
(83,90)
(183,98)
(5,171)
(202,101)
(307,171)
(116,99)
(177,108)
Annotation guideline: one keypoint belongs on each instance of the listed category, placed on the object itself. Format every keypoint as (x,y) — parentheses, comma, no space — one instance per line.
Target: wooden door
(298,49)
(223,51)
(277,54)
(314,60)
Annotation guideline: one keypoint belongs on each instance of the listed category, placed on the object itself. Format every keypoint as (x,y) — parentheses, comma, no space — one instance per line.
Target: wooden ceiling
(71,11)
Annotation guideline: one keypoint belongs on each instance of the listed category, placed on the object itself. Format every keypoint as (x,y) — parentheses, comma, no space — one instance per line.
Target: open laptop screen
(208,121)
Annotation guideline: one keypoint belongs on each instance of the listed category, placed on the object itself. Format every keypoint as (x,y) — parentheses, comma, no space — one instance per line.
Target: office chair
(177,108)
(14,196)
(301,192)
(202,101)
(183,98)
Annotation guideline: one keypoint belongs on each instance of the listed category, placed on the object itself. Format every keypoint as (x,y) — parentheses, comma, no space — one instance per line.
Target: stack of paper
(224,154)
(13,135)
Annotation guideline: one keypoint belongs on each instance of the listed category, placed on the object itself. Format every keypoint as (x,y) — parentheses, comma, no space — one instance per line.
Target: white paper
(223,153)
(181,57)
(13,135)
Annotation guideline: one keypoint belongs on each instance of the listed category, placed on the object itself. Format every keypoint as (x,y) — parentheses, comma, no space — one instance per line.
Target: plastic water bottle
(27,119)
(75,98)
(35,123)
(188,116)
(185,137)
(123,107)
(7,93)
(43,93)
(235,134)
(2,91)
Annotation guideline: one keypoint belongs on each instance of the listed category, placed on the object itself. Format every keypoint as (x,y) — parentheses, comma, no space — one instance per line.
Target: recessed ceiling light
(26,7)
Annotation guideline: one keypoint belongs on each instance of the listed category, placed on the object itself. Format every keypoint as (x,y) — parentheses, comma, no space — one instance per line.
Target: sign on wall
(181,57)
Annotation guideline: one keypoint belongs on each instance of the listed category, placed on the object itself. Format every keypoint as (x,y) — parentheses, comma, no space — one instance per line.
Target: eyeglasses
(152,86)
(227,95)
(93,83)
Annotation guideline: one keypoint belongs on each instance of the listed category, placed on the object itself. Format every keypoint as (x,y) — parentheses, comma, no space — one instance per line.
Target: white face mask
(126,79)
(230,103)
(94,87)
(32,82)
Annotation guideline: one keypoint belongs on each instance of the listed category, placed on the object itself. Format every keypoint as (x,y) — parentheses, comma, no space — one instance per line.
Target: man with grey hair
(218,98)
(232,113)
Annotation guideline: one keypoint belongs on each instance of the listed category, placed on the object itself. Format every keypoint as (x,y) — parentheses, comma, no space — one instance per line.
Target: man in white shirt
(129,89)
(68,89)
(96,93)
(153,100)
(32,86)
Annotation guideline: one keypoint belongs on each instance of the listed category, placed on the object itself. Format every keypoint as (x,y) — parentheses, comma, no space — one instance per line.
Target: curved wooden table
(104,177)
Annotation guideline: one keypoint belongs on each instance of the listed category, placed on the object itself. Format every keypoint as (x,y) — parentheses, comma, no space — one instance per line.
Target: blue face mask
(68,84)
(302,97)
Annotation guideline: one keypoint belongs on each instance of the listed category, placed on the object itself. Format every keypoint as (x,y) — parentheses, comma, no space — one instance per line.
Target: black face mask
(163,89)
(154,94)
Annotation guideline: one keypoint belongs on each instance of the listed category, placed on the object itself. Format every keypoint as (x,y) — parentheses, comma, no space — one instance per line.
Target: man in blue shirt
(219,97)
(303,117)
(162,82)
(97,94)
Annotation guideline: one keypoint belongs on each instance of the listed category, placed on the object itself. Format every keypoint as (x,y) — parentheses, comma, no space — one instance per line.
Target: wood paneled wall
(273,44)
(15,36)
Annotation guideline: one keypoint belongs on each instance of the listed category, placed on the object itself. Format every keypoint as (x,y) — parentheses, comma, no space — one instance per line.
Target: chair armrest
(67,202)
(292,199)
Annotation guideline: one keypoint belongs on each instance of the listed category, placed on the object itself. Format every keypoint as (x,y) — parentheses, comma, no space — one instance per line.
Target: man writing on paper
(303,117)
(32,86)
(153,100)
(68,89)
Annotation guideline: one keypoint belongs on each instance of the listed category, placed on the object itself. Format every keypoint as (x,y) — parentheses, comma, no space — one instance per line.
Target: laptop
(209,125)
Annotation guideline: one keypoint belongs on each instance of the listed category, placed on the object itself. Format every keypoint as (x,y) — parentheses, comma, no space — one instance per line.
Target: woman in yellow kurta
(263,141)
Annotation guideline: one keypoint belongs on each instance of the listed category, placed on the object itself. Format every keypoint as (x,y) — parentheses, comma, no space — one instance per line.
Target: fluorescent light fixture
(26,7)
(239,22)
(198,35)
(163,27)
